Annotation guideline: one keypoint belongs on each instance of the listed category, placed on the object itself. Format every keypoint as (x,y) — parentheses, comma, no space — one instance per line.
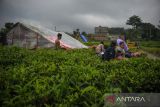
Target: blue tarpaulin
(83,38)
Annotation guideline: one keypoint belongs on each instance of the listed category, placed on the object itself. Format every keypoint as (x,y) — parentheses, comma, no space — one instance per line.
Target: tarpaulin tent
(31,35)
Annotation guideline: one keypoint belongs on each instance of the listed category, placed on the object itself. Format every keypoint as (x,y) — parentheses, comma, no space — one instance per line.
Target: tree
(84,33)
(142,30)
(159,25)
(149,31)
(4,31)
(133,34)
(76,33)
(9,25)
(134,21)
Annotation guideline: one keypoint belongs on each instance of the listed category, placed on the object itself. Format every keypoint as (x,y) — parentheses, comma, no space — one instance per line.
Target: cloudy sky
(67,15)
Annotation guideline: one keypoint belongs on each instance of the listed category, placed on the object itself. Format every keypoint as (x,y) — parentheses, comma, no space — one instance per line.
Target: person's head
(113,44)
(121,37)
(121,44)
(59,36)
(102,42)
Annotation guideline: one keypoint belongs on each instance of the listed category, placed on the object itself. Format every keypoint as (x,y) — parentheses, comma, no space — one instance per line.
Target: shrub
(47,77)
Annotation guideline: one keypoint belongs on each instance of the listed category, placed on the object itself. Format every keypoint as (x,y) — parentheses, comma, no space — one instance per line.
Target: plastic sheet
(30,35)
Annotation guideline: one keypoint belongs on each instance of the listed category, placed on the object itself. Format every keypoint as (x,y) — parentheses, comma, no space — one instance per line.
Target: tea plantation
(74,78)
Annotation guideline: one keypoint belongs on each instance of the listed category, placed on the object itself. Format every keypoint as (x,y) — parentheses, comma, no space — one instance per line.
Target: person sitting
(100,49)
(122,39)
(128,54)
(120,51)
(110,52)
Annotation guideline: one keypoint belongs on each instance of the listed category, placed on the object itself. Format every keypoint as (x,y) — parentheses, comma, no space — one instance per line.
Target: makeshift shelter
(32,36)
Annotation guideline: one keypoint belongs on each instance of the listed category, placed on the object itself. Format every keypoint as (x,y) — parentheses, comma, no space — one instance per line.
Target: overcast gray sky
(67,15)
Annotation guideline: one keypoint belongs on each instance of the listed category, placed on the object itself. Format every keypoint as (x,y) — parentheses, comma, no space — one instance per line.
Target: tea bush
(58,78)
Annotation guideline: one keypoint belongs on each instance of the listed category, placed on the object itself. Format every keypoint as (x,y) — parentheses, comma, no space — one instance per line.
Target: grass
(106,43)
(154,51)
(151,44)
(152,47)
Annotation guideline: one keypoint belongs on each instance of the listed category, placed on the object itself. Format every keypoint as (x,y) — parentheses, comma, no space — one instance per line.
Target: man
(100,49)
(110,52)
(57,41)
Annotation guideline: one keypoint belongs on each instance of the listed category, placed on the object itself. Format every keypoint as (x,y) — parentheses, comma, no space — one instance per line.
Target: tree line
(142,30)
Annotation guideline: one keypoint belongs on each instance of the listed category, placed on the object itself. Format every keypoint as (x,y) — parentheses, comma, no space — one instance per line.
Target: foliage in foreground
(46,77)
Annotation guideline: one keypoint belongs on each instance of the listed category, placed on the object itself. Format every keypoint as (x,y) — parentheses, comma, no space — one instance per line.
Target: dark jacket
(109,53)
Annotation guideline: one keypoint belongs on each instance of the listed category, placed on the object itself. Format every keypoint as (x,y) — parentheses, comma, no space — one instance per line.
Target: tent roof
(50,35)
